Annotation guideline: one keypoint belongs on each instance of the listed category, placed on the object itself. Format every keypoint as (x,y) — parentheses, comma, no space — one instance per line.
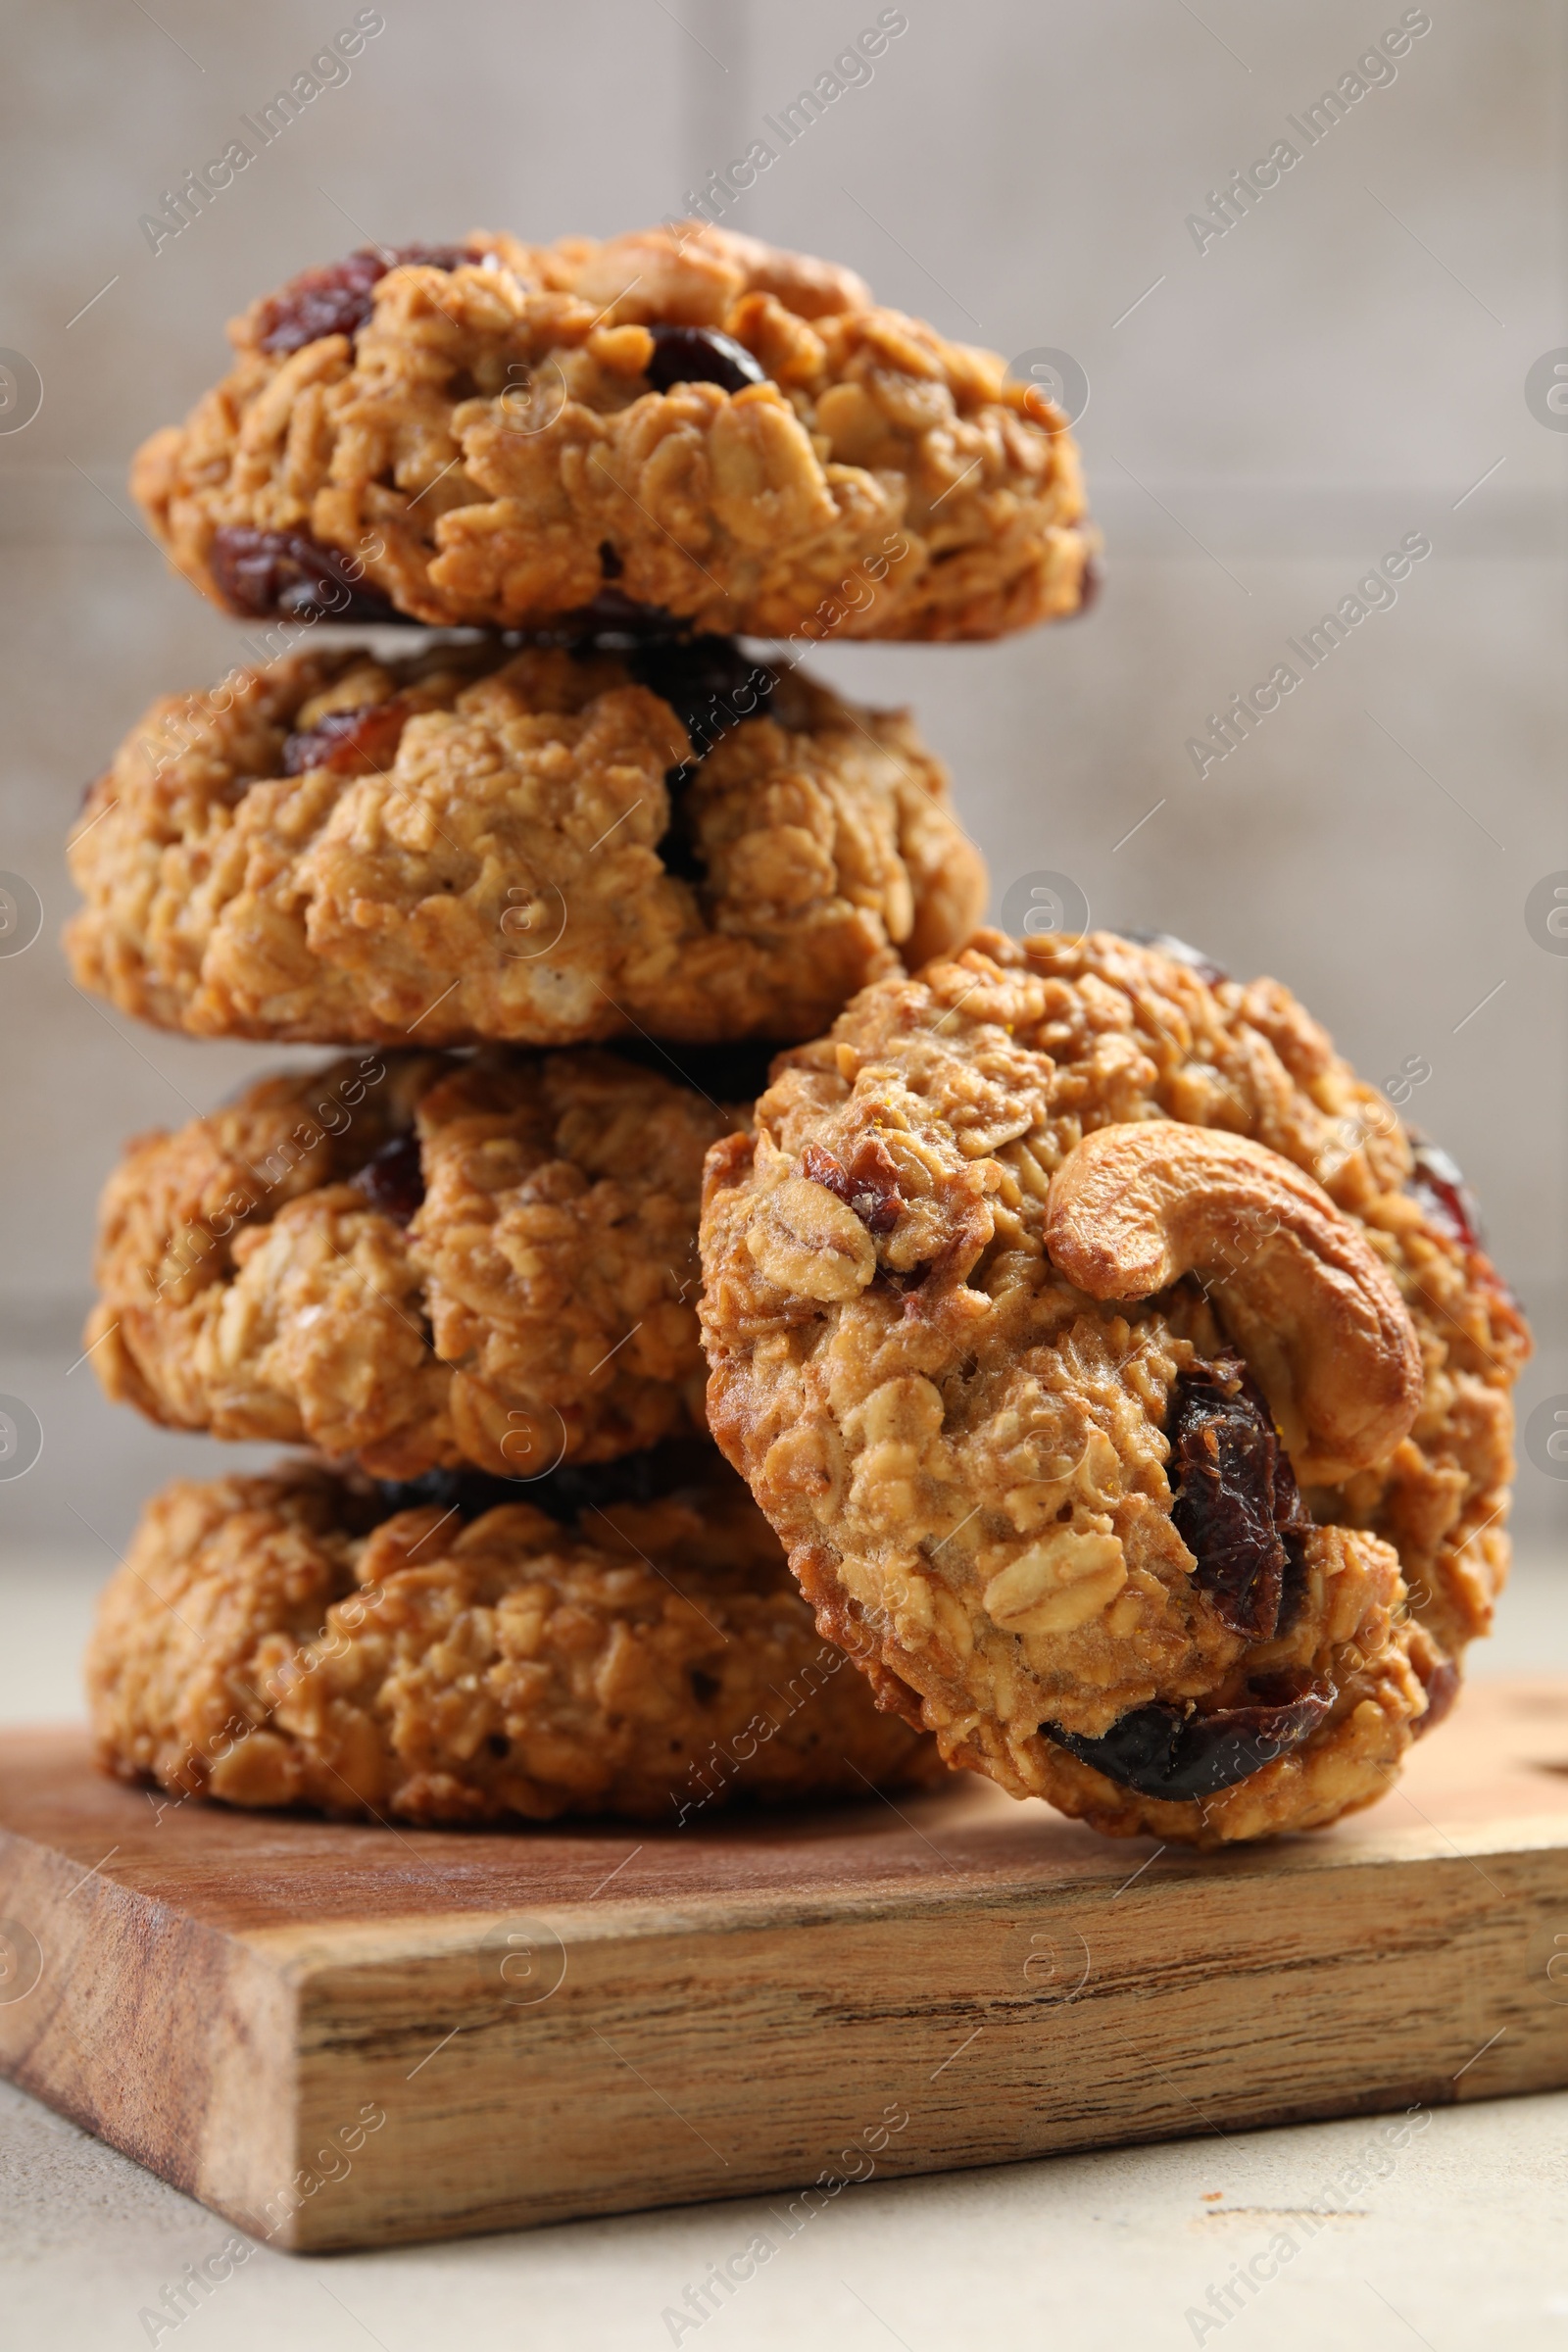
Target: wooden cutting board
(341,2037)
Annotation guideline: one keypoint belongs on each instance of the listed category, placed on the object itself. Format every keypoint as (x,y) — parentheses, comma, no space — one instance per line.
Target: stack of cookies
(1104,1366)
(559,879)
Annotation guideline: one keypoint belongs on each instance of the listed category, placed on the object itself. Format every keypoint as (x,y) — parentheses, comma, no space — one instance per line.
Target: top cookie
(486,434)
(1130,1393)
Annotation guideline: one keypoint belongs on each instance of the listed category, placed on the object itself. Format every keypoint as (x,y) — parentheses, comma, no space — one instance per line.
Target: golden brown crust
(965,1455)
(265,1645)
(490,866)
(489,433)
(540,1305)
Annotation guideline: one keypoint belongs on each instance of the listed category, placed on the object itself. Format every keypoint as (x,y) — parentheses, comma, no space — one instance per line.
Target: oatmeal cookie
(546,847)
(486,434)
(413,1260)
(283,1641)
(1108,1358)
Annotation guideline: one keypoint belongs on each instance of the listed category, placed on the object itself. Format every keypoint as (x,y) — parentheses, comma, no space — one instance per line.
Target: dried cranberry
(468,1493)
(1161,1751)
(566,1492)
(1235,1493)
(700,355)
(874,1176)
(709,683)
(711,687)
(823,1167)
(392,1180)
(1441,1686)
(869,1184)
(259,574)
(1442,1192)
(348,742)
(337,298)
(1167,944)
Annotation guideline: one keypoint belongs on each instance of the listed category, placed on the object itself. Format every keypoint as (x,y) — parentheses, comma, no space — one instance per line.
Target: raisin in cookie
(542,848)
(414,1261)
(290,1641)
(486,434)
(1104,1354)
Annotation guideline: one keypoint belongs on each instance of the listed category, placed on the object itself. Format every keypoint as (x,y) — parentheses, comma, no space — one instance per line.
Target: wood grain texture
(343,2037)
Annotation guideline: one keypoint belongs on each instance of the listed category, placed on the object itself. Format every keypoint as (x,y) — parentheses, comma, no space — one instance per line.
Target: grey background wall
(1267,416)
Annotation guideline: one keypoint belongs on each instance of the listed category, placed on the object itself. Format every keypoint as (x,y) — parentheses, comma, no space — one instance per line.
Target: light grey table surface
(1455,2240)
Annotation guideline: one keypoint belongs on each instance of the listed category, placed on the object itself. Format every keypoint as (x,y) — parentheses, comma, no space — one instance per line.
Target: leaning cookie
(413,1260)
(1106,1356)
(544,848)
(286,1640)
(489,433)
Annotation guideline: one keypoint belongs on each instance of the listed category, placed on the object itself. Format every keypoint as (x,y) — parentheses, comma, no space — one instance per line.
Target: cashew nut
(1299,1286)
